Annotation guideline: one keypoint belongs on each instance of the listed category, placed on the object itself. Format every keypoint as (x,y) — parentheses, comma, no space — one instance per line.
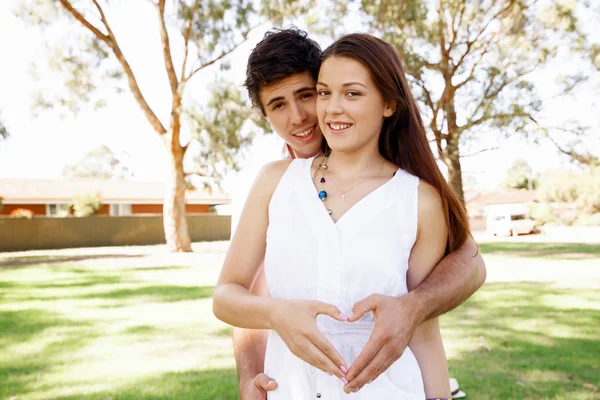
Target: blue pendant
(323,195)
(323,180)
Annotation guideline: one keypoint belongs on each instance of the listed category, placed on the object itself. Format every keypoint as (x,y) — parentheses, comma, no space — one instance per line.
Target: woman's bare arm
(427,251)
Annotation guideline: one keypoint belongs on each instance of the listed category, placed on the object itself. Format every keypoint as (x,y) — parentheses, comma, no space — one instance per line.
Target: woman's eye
(352,94)
(322,92)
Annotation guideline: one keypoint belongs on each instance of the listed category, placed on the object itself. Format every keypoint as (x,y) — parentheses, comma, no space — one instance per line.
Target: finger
(367,354)
(330,310)
(376,367)
(362,307)
(329,356)
(315,357)
(263,382)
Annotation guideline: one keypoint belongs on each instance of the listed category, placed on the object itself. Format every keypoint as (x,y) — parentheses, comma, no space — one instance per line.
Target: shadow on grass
(93,280)
(525,347)
(24,261)
(165,293)
(34,341)
(214,384)
(542,250)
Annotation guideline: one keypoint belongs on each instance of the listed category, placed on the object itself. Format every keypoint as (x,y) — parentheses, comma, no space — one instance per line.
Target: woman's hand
(295,322)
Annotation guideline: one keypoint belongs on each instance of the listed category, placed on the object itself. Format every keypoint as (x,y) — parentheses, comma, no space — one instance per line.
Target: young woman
(376,191)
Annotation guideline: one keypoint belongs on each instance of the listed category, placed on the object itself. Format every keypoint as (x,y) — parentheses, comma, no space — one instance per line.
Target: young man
(280,77)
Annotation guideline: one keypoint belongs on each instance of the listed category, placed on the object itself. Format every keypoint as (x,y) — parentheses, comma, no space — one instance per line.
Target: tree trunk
(175,224)
(452,159)
(455,171)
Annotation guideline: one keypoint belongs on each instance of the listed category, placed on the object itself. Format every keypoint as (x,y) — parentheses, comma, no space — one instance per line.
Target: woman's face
(350,108)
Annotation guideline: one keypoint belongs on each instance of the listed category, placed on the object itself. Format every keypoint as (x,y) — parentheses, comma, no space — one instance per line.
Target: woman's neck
(347,165)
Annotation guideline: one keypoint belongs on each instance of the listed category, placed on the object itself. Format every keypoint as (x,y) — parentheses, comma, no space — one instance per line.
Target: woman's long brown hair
(403,140)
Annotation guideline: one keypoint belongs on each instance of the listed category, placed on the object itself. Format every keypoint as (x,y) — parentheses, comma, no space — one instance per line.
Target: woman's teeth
(339,127)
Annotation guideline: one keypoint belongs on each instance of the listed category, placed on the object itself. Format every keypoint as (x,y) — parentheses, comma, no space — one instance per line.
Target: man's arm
(249,347)
(452,281)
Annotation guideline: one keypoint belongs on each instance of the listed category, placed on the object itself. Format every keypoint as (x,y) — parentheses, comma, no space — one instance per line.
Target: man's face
(290,107)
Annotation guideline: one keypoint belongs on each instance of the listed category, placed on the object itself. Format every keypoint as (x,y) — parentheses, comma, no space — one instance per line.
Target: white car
(509,221)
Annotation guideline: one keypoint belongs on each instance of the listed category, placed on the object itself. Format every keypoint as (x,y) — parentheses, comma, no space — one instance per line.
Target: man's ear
(390,108)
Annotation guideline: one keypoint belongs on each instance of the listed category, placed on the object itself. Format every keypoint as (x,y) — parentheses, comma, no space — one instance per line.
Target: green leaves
(99,163)
(3,131)
(226,126)
(87,204)
(520,176)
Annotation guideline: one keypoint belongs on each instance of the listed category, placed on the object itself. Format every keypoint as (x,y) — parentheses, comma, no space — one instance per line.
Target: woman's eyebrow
(345,84)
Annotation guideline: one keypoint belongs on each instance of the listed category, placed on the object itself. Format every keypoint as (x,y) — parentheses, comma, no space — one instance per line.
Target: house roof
(507,196)
(33,191)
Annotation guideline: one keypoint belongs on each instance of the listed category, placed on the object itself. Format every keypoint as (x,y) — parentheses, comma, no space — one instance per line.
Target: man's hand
(257,389)
(395,322)
(295,322)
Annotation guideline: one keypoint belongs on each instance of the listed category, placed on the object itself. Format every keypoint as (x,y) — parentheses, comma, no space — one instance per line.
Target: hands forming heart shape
(395,323)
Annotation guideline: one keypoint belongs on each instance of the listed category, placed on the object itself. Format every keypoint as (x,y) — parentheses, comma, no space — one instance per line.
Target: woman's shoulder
(430,199)
(270,175)
(274,169)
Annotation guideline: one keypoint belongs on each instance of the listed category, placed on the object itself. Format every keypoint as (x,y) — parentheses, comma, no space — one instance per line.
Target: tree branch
(487,94)
(475,63)
(470,43)
(166,47)
(485,118)
(224,54)
(480,151)
(187,33)
(455,26)
(585,159)
(442,38)
(69,7)
(111,41)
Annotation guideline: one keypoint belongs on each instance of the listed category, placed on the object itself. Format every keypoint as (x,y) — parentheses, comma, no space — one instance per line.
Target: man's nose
(298,113)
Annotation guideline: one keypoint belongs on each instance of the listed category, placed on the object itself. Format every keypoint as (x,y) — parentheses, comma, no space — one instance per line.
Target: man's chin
(306,151)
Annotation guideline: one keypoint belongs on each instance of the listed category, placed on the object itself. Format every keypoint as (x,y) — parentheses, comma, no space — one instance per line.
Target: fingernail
(369,381)
(345,381)
(355,390)
(268,383)
(343,316)
(344,369)
(329,373)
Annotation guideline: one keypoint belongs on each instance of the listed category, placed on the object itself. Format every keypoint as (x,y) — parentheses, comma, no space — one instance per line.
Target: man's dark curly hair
(281,53)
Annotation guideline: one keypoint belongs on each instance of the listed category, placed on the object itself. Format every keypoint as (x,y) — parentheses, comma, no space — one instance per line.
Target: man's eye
(307,96)
(277,106)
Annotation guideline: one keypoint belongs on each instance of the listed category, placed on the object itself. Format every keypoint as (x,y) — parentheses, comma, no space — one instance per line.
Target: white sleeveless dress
(310,257)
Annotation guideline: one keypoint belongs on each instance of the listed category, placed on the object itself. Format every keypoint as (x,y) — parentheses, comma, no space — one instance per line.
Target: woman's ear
(390,108)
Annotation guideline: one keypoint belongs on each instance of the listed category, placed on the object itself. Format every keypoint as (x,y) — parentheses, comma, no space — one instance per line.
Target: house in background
(479,206)
(52,198)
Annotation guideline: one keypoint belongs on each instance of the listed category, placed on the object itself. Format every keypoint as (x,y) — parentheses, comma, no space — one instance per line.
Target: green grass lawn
(139,325)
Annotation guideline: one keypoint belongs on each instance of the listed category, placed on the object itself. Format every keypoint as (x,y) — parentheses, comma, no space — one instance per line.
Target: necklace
(343,195)
(321,165)
(322,193)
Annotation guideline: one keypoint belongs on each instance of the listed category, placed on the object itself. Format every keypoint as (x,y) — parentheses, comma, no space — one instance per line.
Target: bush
(21,213)
(541,213)
(588,220)
(85,205)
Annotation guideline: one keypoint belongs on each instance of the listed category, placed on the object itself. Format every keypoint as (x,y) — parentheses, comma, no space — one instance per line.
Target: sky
(40,145)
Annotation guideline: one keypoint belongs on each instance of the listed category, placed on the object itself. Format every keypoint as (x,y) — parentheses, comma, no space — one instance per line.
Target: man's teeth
(305,133)
(339,127)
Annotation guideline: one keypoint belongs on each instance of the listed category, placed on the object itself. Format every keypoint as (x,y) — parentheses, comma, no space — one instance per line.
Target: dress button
(318,395)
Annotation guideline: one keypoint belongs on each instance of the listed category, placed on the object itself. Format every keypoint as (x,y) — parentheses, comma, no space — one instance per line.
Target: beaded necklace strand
(322,193)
